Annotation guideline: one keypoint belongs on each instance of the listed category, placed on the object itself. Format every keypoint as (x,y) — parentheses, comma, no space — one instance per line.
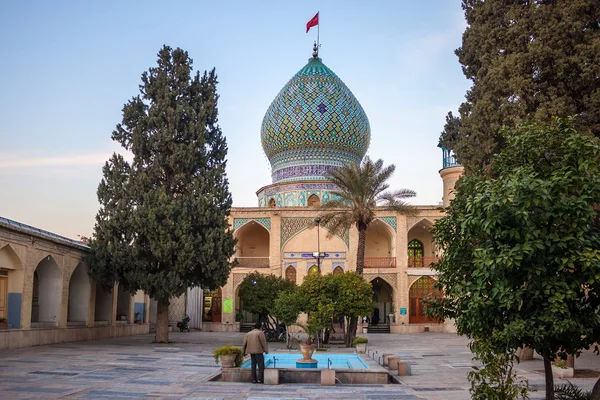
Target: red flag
(314,21)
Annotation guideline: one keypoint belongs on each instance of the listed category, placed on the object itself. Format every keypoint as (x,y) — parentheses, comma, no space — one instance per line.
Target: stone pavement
(135,368)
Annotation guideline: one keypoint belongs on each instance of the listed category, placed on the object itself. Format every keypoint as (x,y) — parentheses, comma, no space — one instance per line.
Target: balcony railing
(421,261)
(380,262)
(253,262)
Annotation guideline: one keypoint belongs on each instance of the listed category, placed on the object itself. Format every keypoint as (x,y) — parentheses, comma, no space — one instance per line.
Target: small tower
(451,171)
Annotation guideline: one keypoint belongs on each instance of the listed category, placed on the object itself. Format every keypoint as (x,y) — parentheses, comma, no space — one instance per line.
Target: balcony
(380,262)
(421,261)
(252,262)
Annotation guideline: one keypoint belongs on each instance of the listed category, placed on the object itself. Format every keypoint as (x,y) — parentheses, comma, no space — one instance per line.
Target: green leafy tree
(521,260)
(353,299)
(162,225)
(325,297)
(496,380)
(258,293)
(528,61)
(362,188)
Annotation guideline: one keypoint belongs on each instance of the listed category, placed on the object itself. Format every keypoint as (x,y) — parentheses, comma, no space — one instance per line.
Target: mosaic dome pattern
(313,124)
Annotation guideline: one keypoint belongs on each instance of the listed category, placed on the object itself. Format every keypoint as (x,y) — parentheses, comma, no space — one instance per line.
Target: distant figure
(375,319)
(255,344)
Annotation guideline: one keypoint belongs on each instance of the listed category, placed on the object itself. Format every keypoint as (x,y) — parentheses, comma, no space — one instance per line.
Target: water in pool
(287,360)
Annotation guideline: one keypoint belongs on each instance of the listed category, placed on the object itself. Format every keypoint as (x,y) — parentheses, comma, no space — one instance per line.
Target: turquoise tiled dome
(313,124)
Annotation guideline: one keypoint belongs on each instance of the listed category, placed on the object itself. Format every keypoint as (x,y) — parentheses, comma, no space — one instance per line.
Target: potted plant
(560,369)
(308,347)
(3,323)
(231,356)
(361,344)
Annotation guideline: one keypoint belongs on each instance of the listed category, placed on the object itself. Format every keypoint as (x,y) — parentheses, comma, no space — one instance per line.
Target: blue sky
(68,67)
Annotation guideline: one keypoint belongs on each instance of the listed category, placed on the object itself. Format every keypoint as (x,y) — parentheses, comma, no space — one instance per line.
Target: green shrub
(561,364)
(570,392)
(229,349)
(3,320)
(359,340)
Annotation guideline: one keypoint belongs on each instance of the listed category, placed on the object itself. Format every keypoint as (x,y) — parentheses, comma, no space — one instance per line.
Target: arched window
(272,203)
(338,270)
(290,274)
(313,201)
(415,254)
(314,269)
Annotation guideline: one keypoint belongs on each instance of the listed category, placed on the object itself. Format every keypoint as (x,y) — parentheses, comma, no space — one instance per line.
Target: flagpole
(318,29)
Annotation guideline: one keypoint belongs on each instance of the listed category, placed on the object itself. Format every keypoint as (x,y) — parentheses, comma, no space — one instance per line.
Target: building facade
(47,296)
(313,124)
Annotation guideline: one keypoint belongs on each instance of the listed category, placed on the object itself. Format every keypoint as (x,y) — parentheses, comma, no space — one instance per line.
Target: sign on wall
(402,311)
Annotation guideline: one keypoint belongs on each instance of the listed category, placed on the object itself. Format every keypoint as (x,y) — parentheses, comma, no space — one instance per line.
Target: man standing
(255,344)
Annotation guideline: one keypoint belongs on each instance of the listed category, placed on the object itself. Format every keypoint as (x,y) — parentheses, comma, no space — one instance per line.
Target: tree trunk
(596,391)
(351,332)
(162,322)
(548,375)
(360,253)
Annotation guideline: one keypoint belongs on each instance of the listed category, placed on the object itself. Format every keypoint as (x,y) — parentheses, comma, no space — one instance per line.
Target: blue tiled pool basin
(286,360)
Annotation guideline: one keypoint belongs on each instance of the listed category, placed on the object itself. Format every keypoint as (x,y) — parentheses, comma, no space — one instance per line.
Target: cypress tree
(529,60)
(163,224)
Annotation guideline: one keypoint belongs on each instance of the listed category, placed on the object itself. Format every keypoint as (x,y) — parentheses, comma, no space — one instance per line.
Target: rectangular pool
(287,360)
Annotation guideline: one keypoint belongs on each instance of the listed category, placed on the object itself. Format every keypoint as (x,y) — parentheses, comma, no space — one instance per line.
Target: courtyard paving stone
(136,368)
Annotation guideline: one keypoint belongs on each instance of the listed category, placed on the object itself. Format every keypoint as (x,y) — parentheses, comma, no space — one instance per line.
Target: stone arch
(123,306)
(290,273)
(11,286)
(253,246)
(379,246)
(103,306)
(79,295)
(313,269)
(47,293)
(421,231)
(383,297)
(313,201)
(337,270)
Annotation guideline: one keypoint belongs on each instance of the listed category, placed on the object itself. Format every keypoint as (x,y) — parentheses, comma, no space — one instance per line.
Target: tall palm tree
(362,188)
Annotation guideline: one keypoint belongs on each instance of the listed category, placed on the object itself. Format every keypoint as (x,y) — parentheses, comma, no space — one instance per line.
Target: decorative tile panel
(392,279)
(291,226)
(239,222)
(237,279)
(391,221)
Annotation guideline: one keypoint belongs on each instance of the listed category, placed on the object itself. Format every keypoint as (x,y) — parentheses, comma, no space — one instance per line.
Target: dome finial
(315,50)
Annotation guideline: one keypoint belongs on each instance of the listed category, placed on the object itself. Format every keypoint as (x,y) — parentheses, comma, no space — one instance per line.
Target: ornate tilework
(392,279)
(299,186)
(239,222)
(291,226)
(391,221)
(314,119)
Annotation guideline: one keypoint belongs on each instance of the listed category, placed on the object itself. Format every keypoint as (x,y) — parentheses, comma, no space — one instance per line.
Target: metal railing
(421,261)
(252,262)
(380,262)
(449,158)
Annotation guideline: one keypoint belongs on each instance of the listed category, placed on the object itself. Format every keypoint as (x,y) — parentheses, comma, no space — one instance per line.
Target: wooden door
(216,307)
(3,297)
(418,292)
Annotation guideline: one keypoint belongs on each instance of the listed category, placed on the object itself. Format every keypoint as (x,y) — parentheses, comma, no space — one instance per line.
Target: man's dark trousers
(258,359)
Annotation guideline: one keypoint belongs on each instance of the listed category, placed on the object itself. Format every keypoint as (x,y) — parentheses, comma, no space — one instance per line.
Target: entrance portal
(383,296)
(212,306)
(419,291)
